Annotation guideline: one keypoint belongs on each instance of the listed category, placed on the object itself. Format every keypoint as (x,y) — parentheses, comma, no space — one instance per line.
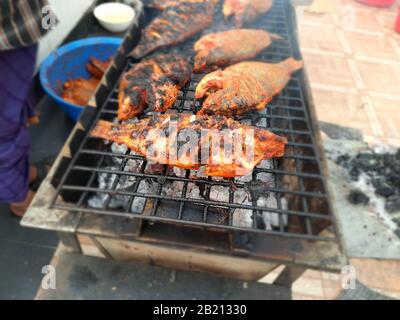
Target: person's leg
(33,174)
(17,67)
(19,209)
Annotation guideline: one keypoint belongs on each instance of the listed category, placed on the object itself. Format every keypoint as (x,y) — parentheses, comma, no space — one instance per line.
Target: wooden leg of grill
(70,242)
(289,275)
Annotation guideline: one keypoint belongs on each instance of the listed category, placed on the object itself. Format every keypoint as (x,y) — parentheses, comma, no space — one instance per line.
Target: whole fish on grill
(164,139)
(174,25)
(244,86)
(152,84)
(245,11)
(225,48)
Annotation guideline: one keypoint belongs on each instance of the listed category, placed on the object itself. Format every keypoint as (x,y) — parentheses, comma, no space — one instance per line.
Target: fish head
(223,102)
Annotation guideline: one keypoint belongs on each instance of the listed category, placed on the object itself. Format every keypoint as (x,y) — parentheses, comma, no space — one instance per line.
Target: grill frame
(272,54)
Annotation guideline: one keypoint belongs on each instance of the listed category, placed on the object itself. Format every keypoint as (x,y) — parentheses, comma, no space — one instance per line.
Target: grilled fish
(228,47)
(244,86)
(174,25)
(156,139)
(98,68)
(79,91)
(153,83)
(245,11)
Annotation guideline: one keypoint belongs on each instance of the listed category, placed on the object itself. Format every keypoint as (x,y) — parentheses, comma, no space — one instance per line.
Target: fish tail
(103,130)
(294,64)
(275,36)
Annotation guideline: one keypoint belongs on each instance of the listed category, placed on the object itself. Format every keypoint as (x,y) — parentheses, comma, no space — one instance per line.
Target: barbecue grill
(144,203)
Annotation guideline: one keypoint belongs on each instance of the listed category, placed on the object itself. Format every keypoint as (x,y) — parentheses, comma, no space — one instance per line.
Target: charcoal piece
(358,197)
(258,189)
(397,155)
(382,187)
(343,160)
(393,204)
(354,173)
(395,180)
(365,161)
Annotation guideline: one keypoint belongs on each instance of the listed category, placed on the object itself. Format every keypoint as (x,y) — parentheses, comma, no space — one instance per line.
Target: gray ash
(384,171)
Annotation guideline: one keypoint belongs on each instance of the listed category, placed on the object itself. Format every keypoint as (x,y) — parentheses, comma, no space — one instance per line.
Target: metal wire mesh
(297,181)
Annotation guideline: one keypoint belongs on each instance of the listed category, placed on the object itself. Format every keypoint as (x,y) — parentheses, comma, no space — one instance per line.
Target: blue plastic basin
(69,62)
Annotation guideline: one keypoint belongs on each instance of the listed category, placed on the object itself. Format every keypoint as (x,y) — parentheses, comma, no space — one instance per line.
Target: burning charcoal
(271,219)
(219,193)
(119,148)
(262,119)
(241,197)
(266,176)
(200,173)
(173,189)
(244,179)
(243,218)
(193,191)
(257,189)
(382,188)
(139,203)
(246,121)
(131,165)
(358,197)
(393,204)
(178,172)
(154,168)
(106,182)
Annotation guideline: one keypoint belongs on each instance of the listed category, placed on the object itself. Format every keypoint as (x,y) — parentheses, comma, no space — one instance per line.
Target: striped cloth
(21,23)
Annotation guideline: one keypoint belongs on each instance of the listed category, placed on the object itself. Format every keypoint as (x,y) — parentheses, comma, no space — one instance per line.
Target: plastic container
(69,62)
(377,3)
(397,25)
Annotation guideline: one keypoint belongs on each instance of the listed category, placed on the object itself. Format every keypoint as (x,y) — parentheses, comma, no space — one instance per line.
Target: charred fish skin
(175,66)
(244,87)
(245,11)
(154,139)
(228,47)
(174,25)
(152,84)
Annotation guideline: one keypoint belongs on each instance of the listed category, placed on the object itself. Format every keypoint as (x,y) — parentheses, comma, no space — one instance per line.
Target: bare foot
(33,173)
(19,209)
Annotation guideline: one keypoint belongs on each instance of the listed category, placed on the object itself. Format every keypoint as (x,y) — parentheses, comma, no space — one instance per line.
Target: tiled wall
(69,13)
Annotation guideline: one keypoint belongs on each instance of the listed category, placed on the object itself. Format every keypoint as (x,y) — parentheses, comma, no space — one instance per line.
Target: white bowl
(114,16)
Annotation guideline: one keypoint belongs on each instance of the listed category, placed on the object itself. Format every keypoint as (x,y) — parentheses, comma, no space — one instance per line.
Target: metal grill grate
(297,177)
